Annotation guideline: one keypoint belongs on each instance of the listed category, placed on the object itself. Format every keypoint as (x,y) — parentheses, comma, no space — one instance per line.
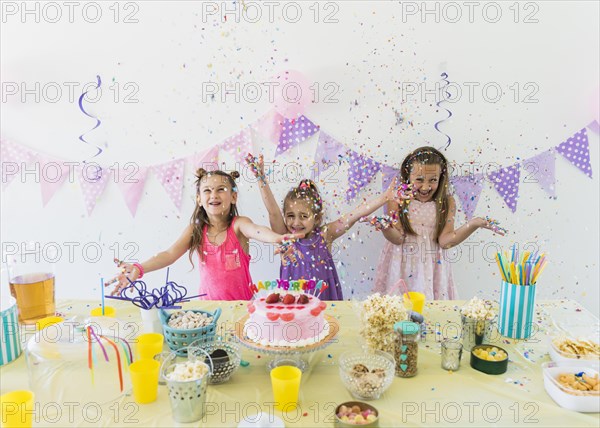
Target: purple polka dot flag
(467,189)
(170,175)
(506,182)
(93,181)
(328,149)
(388,174)
(576,150)
(540,169)
(294,132)
(361,172)
(16,156)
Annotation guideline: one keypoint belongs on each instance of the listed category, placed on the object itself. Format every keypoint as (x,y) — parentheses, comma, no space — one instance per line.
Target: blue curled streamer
(98,122)
(444,76)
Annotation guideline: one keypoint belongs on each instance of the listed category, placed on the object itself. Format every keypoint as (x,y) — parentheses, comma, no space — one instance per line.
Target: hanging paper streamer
(436,126)
(89,115)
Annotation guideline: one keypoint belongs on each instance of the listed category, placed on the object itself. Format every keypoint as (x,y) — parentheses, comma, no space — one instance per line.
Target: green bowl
(489,367)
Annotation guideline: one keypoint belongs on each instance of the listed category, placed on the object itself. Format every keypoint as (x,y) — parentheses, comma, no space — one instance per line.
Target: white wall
(369,53)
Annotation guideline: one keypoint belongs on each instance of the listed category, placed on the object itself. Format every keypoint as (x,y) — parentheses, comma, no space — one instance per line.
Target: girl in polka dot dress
(416,245)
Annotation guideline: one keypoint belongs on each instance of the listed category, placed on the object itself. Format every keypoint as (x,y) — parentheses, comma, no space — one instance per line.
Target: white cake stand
(283,355)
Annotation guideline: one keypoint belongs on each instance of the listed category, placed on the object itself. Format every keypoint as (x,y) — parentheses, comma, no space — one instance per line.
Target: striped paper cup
(10,337)
(517,306)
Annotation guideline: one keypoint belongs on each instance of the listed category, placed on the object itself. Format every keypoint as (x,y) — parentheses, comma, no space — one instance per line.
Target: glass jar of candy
(406,348)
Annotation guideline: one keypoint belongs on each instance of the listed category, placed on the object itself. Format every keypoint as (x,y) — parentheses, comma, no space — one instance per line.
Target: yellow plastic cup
(17,409)
(144,379)
(45,322)
(285,381)
(149,344)
(109,311)
(417,299)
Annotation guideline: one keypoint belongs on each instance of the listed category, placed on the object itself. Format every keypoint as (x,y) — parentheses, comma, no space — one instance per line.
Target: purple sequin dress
(317,263)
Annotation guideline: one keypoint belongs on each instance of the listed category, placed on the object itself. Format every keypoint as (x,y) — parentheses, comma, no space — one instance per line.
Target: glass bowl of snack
(489,359)
(367,374)
(573,385)
(352,413)
(565,348)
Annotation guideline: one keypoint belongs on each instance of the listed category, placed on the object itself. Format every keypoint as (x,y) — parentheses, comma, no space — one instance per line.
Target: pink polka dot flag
(93,180)
(170,175)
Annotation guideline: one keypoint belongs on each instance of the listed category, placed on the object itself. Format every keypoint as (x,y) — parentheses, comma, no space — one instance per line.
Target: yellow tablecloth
(433,397)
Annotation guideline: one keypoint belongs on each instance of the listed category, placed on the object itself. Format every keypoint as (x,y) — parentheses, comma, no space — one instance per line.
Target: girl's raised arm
(337,228)
(261,233)
(156,262)
(275,217)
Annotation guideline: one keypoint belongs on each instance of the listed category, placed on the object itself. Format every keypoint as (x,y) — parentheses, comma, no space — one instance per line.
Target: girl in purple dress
(303,213)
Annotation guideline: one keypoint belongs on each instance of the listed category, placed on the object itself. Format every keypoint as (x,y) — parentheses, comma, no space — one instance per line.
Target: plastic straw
(102,292)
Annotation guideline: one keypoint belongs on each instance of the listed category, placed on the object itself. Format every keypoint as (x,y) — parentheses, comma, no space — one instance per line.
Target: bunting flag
(594,126)
(170,175)
(53,174)
(93,180)
(361,172)
(388,174)
(14,156)
(239,145)
(131,184)
(294,132)
(577,151)
(506,182)
(207,159)
(467,189)
(540,170)
(328,149)
(269,126)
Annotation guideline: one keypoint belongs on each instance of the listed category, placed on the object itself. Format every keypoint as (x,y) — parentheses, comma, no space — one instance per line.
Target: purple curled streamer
(89,115)
(449,140)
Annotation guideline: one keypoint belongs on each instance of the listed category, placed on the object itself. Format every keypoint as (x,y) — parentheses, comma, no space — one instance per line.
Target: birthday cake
(287,314)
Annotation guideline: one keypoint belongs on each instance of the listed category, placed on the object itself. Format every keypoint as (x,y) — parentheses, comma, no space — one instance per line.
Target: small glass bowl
(367,374)
(225,362)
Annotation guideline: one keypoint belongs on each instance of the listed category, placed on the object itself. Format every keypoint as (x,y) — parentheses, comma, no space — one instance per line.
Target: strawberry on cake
(286,319)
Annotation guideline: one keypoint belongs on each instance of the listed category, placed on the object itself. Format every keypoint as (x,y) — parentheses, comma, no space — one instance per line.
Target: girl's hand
(287,249)
(257,166)
(398,193)
(127,272)
(491,224)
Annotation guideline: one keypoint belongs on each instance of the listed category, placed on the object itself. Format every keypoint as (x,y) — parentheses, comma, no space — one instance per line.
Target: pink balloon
(291,94)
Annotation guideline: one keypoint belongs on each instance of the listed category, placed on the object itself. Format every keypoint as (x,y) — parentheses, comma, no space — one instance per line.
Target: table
(433,397)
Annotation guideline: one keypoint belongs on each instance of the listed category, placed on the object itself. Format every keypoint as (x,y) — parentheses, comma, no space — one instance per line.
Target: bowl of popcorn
(564,349)
(354,413)
(489,359)
(181,328)
(367,374)
(573,385)
(477,319)
(378,315)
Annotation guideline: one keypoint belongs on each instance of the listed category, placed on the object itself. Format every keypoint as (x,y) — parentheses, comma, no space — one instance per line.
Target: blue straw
(102,291)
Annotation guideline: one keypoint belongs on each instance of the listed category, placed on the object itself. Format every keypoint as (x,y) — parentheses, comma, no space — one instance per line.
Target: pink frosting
(278,324)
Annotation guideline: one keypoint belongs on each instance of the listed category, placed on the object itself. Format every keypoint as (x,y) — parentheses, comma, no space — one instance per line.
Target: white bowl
(589,403)
(559,356)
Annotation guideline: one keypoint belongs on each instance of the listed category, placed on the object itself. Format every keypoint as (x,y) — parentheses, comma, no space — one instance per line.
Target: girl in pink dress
(416,245)
(220,238)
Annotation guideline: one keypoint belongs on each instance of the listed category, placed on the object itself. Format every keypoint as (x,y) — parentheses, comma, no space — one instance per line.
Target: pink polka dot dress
(420,261)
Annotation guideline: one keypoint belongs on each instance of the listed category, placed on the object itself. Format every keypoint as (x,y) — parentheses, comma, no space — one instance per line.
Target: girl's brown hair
(200,218)
(307,191)
(427,156)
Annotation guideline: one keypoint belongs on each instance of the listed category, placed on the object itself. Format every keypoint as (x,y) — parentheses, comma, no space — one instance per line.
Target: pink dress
(420,261)
(224,269)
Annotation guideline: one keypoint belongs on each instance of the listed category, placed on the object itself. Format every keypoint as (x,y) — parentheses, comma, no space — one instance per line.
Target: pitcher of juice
(31,281)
